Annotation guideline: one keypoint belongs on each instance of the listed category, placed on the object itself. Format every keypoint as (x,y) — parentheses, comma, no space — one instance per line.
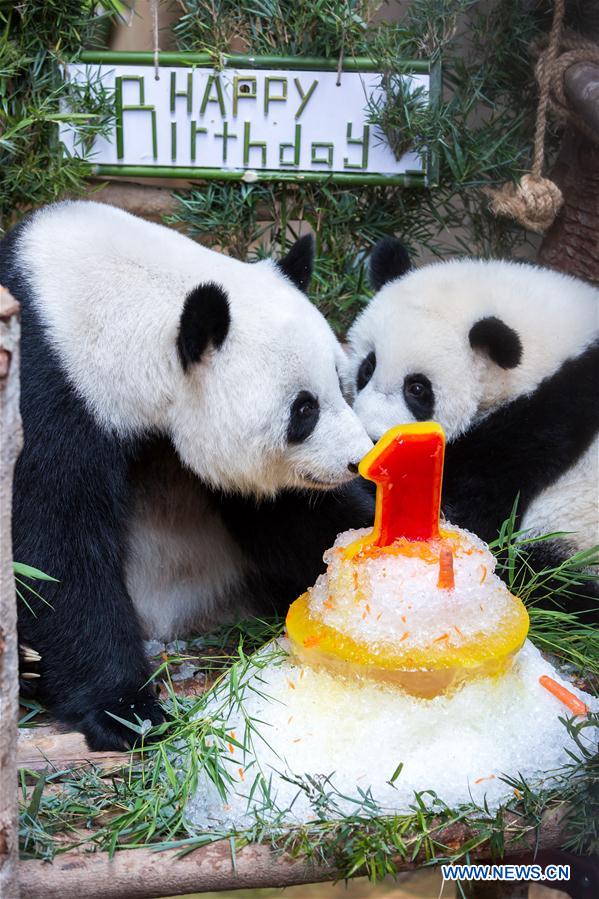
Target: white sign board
(243,122)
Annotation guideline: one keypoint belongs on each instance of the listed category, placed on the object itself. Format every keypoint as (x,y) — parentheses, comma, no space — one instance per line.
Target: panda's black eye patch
(303,417)
(366,370)
(419,396)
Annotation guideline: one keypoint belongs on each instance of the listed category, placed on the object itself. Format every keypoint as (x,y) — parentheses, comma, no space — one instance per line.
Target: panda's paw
(105,728)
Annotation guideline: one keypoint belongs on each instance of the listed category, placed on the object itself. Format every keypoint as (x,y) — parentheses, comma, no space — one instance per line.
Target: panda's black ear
(298,264)
(389,260)
(497,339)
(204,322)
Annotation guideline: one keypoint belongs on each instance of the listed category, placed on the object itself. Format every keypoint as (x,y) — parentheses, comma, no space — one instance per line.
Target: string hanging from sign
(156,39)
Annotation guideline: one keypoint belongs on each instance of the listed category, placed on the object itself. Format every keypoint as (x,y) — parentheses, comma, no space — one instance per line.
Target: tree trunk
(572,243)
(147,874)
(10,425)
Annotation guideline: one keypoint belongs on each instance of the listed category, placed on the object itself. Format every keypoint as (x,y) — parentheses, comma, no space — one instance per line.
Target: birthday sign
(251,119)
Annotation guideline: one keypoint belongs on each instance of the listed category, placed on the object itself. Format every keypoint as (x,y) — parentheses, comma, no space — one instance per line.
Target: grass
(36,39)
(144,803)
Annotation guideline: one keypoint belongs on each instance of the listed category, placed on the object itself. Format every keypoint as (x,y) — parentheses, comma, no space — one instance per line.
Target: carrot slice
(446,578)
(576,705)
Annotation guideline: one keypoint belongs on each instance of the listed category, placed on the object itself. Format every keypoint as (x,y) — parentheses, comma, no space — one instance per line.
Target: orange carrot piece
(482,580)
(442,637)
(231,748)
(446,577)
(404,636)
(576,705)
(241,775)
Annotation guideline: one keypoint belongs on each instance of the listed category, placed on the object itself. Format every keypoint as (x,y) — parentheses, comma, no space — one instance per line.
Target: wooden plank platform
(50,746)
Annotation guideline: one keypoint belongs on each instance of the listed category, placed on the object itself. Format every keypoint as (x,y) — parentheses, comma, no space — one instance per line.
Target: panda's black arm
(70,495)
(285,538)
(522,448)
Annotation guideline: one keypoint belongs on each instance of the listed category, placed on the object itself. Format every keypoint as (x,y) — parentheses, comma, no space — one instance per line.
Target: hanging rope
(574,50)
(535,201)
(155,4)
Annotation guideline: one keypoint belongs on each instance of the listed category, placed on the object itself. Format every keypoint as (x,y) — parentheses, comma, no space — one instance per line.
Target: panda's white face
(159,334)
(271,393)
(400,377)
(452,341)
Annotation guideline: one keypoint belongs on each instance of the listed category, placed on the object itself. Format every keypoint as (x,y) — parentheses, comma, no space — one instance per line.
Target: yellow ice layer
(421,671)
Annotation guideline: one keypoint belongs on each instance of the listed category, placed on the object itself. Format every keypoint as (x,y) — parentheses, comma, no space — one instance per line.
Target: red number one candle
(407,467)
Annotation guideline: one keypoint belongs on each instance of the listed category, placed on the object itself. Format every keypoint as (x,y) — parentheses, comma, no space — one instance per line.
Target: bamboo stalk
(189,173)
(237,60)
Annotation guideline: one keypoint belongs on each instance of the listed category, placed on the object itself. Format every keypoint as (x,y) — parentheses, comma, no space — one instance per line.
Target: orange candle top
(407,467)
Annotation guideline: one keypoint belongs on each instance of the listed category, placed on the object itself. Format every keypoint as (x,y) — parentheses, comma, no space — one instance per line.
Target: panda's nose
(353,467)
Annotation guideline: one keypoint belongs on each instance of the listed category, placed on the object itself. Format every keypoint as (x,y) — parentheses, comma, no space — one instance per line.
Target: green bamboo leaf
(33,573)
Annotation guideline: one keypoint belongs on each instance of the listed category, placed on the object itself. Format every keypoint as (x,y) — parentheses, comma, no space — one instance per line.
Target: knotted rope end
(534,203)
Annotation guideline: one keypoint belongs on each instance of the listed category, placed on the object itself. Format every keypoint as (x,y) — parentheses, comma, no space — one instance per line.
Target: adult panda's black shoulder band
(205,321)
(522,447)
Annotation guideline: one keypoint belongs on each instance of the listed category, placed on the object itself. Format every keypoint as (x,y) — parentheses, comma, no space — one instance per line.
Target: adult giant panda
(506,357)
(186,446)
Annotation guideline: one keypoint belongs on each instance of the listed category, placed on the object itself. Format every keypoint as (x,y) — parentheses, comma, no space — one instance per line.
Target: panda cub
(187,447)
(506,357)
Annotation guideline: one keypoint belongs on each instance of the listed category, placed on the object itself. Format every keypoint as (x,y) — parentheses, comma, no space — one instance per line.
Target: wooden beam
(581,84)
(146,200)
(10,446)
(39,748)
(147,874)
